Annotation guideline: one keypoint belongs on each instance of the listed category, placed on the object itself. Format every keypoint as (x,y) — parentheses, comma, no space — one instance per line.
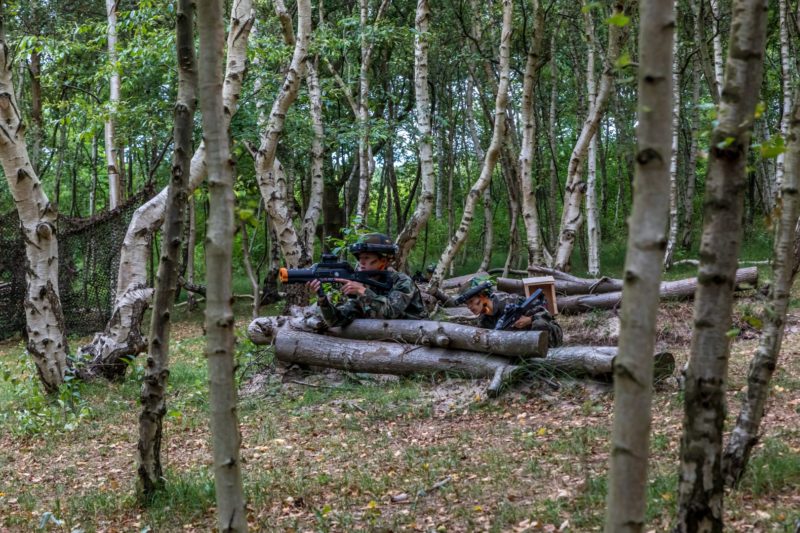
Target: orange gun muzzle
(283,275)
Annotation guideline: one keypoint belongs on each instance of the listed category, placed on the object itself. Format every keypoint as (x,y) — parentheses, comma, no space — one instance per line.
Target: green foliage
(30,411)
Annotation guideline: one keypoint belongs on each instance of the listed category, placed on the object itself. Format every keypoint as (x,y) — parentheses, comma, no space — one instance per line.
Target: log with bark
(295,343)
(515,344)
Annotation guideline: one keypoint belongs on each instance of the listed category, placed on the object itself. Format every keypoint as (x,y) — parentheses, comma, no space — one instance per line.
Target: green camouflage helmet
(477,285)
(376,243)
(431,268)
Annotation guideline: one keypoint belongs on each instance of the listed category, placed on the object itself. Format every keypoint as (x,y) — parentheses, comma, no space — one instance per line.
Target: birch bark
(530,212)
(786,87)
(501,102)
(572,218)
(592,222)
(47,342)
(673,165)
(701,483)
(225,434)
(112,151)
(633,368)
(422,212)
(153,393)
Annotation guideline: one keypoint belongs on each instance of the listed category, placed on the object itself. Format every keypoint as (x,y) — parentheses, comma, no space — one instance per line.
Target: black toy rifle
(330,268)
(514,312)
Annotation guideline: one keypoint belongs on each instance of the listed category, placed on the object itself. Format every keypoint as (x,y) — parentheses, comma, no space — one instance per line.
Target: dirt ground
(322,453)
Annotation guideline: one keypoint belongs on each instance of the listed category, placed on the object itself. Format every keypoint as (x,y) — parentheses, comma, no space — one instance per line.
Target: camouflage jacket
(403,300)
(542,319)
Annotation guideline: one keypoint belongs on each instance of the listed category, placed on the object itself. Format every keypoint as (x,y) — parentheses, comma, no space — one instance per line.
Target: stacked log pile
(404,347)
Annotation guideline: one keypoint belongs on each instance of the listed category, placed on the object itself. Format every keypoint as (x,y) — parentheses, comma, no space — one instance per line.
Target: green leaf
(754,321)
(733,333)
(619,19)
(772,147)
(725,143)
(623,60)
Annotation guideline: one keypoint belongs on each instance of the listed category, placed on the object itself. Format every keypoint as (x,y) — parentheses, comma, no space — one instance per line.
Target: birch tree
(490,160)
(694,114)
(225,434)
(745,434)
(633,368)
(47,342)
(592,220)
(786,89)
(530,213)
(673,165)
(408,237)
(153,394)
(701,482)
(114,85)
(572,217)
(122,337)
(269,174)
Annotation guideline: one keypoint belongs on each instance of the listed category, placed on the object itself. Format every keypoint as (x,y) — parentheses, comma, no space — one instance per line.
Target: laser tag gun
(474,291)
(514,312)
(330,268)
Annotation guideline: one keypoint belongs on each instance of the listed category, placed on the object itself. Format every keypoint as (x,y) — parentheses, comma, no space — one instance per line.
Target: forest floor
(340,452)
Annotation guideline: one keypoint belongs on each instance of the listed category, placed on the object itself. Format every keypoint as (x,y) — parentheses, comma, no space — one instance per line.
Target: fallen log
(295,345)
(596,362)
(455,283)
(746,278)
(515,344)
(571,285)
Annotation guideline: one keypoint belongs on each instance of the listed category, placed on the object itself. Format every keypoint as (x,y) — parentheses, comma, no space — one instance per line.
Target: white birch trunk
(269,175)
(530,211)
(422,212)
(572,218)
(123,327)
(786,85)
(719,62)
(746,433)
(701,483)
(501,101)
(592,221)
(314,209)
(47,341)
(365,161)
(226,439)
(191,243)
(673,166)
(633,367)
(112,151)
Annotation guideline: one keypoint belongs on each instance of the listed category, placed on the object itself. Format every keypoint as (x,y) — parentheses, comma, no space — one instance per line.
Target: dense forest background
(62,72)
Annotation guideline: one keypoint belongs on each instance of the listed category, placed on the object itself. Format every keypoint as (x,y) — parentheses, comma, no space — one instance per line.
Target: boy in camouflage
(489,307)
(403,300)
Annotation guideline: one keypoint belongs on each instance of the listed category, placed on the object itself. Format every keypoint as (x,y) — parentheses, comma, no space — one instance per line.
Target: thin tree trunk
(572,218)
(592,221)
(248,266)
(231,514)
(745,435)
(701,483)
(314,208)
(786,87)
(408,237)
(673,166)
(37,121)
(555,184)
(633,367)
(153,393)
(719,62)
(458,238)
(46,334)
(488,229)
(191,243)
(691,165)
(530,213)
(112,151)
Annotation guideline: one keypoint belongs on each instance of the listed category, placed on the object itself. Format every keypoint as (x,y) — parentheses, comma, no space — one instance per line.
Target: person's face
(479,305)
(371,261)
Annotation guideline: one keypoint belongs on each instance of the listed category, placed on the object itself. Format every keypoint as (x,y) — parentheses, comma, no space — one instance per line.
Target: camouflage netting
(88,254)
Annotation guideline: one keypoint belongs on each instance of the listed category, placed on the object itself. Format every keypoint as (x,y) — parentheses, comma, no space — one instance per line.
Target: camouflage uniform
(402,301)
(542,319)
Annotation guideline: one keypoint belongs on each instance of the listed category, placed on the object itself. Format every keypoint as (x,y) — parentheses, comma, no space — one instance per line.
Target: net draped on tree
(89,251)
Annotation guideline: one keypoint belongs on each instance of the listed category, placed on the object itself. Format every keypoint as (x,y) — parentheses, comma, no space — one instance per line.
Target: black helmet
(376,243)
(477,285)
